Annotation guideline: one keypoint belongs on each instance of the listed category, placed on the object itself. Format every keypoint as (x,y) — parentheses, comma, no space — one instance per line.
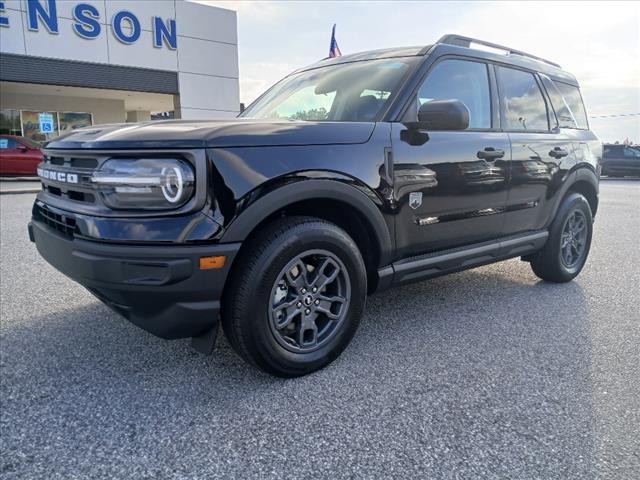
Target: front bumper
(158,288)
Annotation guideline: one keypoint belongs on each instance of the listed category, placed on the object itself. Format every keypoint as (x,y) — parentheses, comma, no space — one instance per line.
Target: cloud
(599,42)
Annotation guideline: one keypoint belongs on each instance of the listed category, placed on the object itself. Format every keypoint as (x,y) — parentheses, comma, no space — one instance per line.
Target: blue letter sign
(125,25)
(4,21)
(86,17)
(164,32)
(49,16)
(120,33)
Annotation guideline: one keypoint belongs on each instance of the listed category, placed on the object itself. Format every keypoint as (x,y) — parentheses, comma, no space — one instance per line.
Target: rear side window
(460,80)
(564,117)
(573,100)
(523,104)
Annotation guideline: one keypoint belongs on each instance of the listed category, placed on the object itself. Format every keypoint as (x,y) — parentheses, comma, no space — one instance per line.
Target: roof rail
(462,41)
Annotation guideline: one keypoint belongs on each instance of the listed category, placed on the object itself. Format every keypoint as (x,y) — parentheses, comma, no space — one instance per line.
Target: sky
(599,42)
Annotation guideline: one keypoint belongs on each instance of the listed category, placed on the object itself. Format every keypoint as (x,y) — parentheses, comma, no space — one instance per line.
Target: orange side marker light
(207,263)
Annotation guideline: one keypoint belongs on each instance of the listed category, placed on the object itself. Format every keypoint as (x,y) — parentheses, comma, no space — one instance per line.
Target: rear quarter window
(563,115)
(573,99)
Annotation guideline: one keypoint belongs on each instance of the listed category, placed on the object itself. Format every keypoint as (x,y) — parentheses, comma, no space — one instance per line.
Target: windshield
(351,92)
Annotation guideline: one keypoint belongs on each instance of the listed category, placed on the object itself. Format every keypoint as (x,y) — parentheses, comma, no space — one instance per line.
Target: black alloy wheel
(310,299)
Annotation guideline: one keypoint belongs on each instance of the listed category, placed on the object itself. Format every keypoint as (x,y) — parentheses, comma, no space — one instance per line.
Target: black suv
(621,160)
(347,177)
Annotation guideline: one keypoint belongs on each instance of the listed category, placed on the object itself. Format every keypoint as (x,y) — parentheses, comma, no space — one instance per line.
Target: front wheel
(296,297)
(567,248)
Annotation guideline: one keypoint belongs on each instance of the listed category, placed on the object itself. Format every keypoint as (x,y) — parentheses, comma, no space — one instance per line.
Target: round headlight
(172,184)
(146,183)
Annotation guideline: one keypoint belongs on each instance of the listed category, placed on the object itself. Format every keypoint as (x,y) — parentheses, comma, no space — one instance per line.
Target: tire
(552,263)
(270,309)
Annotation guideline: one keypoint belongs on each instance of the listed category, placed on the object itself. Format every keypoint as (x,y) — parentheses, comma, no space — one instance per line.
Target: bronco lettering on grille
(58,176)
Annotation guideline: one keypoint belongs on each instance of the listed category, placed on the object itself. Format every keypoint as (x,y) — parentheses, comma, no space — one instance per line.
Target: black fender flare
(581,174)
(316,189)
(586,174)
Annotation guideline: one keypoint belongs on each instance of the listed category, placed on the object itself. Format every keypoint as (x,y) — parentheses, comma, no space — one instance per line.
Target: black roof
(460,45)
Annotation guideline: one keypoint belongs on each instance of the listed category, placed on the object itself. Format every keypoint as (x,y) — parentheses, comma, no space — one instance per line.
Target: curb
(20,179)
(30,190)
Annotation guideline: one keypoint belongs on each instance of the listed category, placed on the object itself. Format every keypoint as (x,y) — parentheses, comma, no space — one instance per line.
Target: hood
(237,132)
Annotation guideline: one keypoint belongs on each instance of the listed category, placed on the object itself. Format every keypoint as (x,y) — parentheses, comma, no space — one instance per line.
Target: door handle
(558,153)
(490,154)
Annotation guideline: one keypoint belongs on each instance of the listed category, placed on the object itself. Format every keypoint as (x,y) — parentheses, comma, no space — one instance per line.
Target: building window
(28,123)
(31,126)
(10,122)
(72,120)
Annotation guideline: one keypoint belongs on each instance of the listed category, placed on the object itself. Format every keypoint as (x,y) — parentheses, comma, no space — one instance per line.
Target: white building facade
(105,61)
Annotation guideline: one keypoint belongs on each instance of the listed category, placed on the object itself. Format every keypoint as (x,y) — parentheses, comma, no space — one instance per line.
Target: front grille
(90,163)
(82,166)
(64,224)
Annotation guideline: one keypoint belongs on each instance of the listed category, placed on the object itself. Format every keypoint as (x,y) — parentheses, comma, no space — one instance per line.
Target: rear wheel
(567,248)
(296,298)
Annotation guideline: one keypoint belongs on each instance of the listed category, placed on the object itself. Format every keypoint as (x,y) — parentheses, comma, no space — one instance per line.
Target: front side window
(522,101)
(460,80)
(573,99)
(610,151)
(350,92)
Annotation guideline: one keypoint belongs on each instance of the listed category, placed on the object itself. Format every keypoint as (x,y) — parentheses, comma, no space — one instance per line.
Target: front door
(451,189)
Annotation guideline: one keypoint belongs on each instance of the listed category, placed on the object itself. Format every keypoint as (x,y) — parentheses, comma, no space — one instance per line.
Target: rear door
(541,152)
(451,188)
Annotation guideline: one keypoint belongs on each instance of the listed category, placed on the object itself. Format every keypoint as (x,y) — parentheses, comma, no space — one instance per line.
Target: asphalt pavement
(488,373)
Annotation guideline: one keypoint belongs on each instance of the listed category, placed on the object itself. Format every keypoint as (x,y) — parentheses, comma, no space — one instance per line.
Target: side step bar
(440,263)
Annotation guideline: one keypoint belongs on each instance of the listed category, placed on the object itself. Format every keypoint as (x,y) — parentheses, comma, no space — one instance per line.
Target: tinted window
(524,105)
(563,114)
(6,143)
(631,152)
(460,80)
(573,99)
(612,151)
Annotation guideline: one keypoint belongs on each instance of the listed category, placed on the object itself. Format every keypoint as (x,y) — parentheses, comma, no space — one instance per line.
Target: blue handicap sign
(46,122)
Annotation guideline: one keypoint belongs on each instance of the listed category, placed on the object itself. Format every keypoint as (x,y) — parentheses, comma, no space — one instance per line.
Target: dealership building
(66,63)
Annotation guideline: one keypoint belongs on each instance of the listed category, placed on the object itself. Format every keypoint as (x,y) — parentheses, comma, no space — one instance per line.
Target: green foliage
(311,114)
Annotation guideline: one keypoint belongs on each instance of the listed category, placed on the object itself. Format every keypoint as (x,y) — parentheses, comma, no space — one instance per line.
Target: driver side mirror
(443,115)
(22,148)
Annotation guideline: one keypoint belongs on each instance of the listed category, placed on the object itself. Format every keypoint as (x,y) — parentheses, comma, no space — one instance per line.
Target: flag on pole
(334,50)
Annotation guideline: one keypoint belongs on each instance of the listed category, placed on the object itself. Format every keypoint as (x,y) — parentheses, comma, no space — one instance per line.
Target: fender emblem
(415,200)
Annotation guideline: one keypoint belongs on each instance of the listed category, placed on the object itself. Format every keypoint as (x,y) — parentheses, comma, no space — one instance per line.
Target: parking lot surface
(488,373)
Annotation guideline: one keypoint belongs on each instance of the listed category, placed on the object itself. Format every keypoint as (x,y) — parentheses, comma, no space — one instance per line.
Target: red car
(18,155)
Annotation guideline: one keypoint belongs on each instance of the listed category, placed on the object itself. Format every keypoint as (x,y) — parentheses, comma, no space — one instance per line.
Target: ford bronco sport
(347,177)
